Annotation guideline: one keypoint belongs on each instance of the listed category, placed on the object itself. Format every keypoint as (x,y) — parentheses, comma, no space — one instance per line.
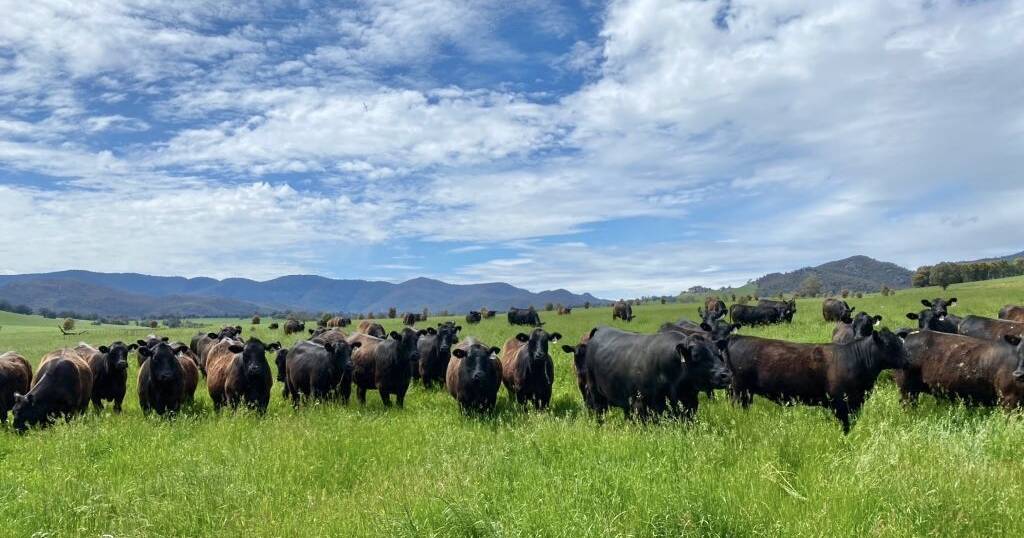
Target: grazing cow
(579,365)
(564,310)
(383,364)
(939,305)
(473,376)
(527,369)
(524,316)
(787,308)
(109,367)
(62,387)
(714,308)
(274,326)
(339,321)
(473,317)
(162,379)
(928,319)
(837,376)
(957,367)
(641,373)
(850,329)
(487,314)
(319,371)
(435,350)
(836,310)
(757,315)
(238,373)
(1012,313)
(409,319)
(15,378)
(622,310)
(988,328)
(294,326)
(372,328)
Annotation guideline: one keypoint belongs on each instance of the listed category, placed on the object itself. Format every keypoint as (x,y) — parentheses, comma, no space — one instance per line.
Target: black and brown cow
(15,378)
(622,310)
(62,388)
(528,372)
(384,365)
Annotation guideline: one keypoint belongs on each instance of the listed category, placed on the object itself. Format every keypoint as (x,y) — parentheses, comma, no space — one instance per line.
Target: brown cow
(62,387)
(976,371)
(383,364)
(473,376)
(714,308)
(527,369)
(1012,313)
(564,310)
(15,378)
(339,321)
(837,376)
(239,373)
(322,335)
(372,328)
(579,365)
(622,310)
(836,310)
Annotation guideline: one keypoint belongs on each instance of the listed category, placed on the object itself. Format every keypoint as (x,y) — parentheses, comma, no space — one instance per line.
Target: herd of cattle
(972,359)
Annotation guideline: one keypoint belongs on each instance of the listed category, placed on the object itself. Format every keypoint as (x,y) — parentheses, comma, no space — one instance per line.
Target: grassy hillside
(427,470)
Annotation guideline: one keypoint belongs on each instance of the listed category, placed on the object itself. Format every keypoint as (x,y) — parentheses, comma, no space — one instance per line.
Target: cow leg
(385,397)
(117,402)
(400,398)
(689,403)
(842,412)
(97,404)
(361,395)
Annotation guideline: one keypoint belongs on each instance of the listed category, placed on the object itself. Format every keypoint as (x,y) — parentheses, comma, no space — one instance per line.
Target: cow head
(341,353)
(537,343)
(476,361)
(719,332)
(789,310)
(407,340)
(116,356)
(893,353)
(931,320)
(254,356)
(1016,342)
(703,362)
(939,305)
(281,361)
(29,411)
(864,324)
(163,361)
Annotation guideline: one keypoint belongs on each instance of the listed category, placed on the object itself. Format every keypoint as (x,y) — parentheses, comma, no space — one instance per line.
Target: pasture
(331,470)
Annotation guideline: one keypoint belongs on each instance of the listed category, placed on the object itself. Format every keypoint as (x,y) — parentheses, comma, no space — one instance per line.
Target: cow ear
(459,353)
(311,331)
(926,302)
(165,339)
(522,337)
(212,335)
(274,346)
(104,349)
(705,327)
(145,351)
(911,315)
(1012,340)
(355,345)
(396,335)
(568,349)
(133,346)
(431,331)
(903,333)
(495,351)
(329,347)
(181,349)
(554,337)
(235,348)
(952,301)
(878,319)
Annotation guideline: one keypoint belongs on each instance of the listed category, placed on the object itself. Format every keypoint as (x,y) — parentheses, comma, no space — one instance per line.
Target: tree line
(946,273)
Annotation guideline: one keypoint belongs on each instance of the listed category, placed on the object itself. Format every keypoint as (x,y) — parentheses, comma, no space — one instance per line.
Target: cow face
(117,355)
(407,348)
(254,357)
(477,362)
(341,354)
(537,343)
(893,352)
(704,363)
(939,305)
(929,319)
(719,332)
(163,362)
(579,363)
(1016,342)
(29,412)
(789,311)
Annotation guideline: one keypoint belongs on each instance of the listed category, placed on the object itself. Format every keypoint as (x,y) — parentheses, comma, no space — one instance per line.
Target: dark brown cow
(294,326)
(62,387)
(239,373)
(978,372)
(473,317)
(15,378)
(372,328)
(383,364)
(527,369)
(1012,313)
(579,365)
(109,367)
(564,310)
(837,376)
(988,328)
(473,375)
(836,310)
(622,310)
(339,321)
(714,308)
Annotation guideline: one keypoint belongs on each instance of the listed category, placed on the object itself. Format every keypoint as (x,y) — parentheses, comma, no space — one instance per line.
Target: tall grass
(328,470)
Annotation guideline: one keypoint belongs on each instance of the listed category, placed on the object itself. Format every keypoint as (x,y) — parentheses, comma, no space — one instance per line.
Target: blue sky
(621,148)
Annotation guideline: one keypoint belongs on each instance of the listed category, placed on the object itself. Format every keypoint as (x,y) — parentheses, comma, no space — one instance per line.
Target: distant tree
(586,305)
(549,307)
(664,300)
(256,320)
(153,324)
(22,309)
(860,295)
(945,274)
(734,298)
(922,277)
(369,315)
(68,324)
(173,322)
(886,291)
(392,312)
(426,314)
(811,286)
(845,293)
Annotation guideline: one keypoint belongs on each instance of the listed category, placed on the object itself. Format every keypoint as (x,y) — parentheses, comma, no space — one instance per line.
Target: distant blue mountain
(137,295)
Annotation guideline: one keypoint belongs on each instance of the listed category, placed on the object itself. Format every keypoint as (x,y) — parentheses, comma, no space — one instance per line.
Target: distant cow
(487,314)
(1012,313)
(274,326)
(109,367)
(383,364)
(294,326)
(319,371)
(339,321)
(435,350)
(622,310)
(579,365)
(850,329)
(238,373)
(787,309)
(939,305)
(836,376)
(988,328)
(62,387)
(473,317)
(473,376)
(564,310)
(371,328)
(714,309)
(978,372)
(757,315)
(648,374)
(524,316)
(409,319)
(527,369)
(163,379)
(928,319)
(836,310)
(15,378)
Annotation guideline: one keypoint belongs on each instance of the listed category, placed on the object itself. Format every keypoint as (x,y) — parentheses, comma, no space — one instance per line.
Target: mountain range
(136,295)
(856,273)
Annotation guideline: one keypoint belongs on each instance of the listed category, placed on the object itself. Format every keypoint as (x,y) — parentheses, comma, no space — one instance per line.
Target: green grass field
(328,470)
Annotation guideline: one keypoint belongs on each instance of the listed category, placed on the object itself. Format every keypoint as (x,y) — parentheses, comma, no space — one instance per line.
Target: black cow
(836,310)
(837,376)
(988,328)
(161,379)
(976,371)
(850,329)
(473,376)
(758,315)
(435,350)
(929,319)
(409,319)
(939,305)
(281,361)
(642,373)
(473,317)
(524,316)
(62,387)
(320,371)
(109,367)
(579,363)
(384,365)
(788,308)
